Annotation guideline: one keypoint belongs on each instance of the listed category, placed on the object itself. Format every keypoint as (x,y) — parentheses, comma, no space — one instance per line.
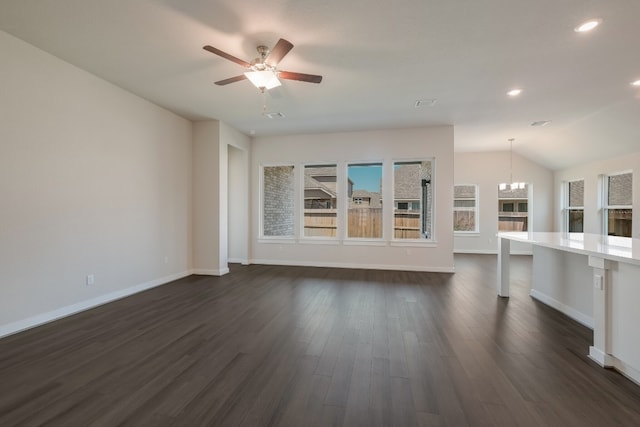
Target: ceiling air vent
(425,103)
(541,123)
(274,115)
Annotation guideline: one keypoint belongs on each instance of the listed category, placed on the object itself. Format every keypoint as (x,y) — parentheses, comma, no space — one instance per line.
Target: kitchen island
(592,278)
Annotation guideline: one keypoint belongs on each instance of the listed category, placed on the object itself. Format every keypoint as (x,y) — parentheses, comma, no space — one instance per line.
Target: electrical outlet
(166,259)
(90,280)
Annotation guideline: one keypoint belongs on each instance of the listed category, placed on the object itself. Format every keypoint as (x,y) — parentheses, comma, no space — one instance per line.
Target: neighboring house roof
(320,171)
(312,184)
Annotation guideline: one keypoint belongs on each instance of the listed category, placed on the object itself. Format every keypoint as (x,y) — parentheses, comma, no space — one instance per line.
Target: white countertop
(623,249)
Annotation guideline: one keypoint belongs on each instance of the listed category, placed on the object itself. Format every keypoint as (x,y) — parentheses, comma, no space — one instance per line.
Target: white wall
(342,148)
(237,201)
(211,187)
(238,205)
(590,172)
(564,281)
(487,170)
(207,257)
(93,180)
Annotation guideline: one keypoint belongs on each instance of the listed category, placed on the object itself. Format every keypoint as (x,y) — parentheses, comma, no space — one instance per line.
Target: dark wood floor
(297,346)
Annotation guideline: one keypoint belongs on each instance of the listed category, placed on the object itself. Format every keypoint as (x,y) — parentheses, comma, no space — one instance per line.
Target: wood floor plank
(291,346)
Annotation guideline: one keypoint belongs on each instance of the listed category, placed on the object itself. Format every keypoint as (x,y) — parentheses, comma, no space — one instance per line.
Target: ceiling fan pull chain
(264,102)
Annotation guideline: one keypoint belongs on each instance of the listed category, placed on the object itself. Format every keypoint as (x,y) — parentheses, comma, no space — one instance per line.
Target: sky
(366,177)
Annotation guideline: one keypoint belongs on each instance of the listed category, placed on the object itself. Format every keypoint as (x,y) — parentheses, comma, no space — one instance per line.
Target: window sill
(312,241)
(364,242)
(466,233)
(414,243)
(278,240)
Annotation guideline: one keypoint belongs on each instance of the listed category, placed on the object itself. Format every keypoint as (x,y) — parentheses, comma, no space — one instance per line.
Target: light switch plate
(598,282)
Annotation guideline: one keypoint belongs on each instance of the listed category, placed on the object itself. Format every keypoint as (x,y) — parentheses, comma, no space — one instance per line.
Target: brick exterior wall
(278,209)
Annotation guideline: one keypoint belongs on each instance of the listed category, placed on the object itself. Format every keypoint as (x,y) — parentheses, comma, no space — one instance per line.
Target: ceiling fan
(262,71)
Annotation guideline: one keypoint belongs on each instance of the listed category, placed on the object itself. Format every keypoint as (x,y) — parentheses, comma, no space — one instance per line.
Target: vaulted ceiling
(377,59)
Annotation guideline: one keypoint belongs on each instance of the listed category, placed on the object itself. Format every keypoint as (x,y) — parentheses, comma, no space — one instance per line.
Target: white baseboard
(205,272)
(600,357)
(609,361)
(488,252)
(627,370)
(358,266)
(50,316)
(563,308)
(242,261)
(475,251)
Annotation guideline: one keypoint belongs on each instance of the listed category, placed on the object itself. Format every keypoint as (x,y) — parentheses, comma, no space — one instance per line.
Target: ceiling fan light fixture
(266,79)
(587,26)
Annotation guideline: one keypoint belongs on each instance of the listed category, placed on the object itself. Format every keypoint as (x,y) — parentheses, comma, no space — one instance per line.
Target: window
(574,212)
(465,208)
(507,207)
(618,204)
(412,188)
(278,219)
(364,215)
(320,200)
(513,208)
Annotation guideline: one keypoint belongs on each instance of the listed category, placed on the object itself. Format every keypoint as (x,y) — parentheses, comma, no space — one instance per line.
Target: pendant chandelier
(512,185)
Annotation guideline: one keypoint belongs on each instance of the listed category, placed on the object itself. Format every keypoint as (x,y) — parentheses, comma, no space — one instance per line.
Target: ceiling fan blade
(231,80)
(278,52)
(310,78)
(225,55)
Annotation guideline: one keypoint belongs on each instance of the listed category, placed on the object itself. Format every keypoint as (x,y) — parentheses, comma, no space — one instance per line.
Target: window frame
(475,209)
(432,208)
(567,205)
(349,198)
(606,207)
(338,220)
(516,202)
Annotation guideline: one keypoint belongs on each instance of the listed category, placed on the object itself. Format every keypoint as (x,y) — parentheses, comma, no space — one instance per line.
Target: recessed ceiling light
(541,123)
(587,25)
(425,103)
(636,83)
(514,92)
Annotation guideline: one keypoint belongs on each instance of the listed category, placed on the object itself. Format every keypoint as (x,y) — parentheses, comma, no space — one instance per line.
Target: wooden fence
(406,225)
(513,221)
(365,222)
(320,223)
(362,223)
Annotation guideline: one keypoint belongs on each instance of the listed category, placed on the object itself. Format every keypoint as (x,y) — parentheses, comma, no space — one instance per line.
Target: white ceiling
(377,58)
